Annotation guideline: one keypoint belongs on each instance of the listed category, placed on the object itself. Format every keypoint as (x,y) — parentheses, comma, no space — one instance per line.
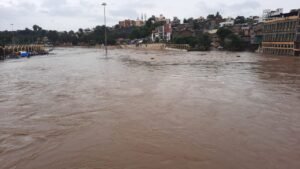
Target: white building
(162,33)
(228,22)
(267,13)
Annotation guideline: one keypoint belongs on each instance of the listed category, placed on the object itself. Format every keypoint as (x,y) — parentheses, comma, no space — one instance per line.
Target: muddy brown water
(150,110)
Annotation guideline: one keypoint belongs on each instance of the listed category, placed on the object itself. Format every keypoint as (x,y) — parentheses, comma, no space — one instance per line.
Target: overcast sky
(74,14)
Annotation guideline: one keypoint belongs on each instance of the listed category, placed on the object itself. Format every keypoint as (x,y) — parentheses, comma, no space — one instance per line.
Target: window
(293,36)
(289,25)
(298,38)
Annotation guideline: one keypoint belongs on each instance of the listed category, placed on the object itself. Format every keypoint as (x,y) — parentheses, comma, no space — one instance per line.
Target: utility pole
(105,32)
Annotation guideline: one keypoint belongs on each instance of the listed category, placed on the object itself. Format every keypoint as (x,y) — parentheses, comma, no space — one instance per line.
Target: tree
(73,37)
(176,21)
(223,33)
(204,42)
(219,16)
(230,41)
(53,36)
(135,34)
(211,17)
(234,43)
(36,28)
(240,20)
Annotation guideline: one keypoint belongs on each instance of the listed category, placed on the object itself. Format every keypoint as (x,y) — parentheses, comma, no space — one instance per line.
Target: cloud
(73,14)
(129,13)
(140,5)
(60,8)
(130,9)
(10,14)
(245,8)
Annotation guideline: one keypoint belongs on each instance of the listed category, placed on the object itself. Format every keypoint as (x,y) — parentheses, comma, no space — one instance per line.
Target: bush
(223,33)
(230,41)
(202,42)
(234,43)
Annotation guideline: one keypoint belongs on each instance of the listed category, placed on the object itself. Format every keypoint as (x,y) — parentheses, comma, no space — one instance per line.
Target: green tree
(204,42)
(36,28)
(230,41)
(240,20)
(234,43)
(219,16)
(135,34)
(53,36)
(211,17)
(223,33)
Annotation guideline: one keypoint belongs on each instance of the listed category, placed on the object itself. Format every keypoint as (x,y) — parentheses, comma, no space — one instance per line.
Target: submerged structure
(281,34)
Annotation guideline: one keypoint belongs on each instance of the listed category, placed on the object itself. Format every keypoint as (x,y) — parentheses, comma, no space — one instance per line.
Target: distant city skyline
(74,14)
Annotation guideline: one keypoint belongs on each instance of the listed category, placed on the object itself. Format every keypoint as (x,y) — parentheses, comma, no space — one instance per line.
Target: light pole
(105,41)
(12,31)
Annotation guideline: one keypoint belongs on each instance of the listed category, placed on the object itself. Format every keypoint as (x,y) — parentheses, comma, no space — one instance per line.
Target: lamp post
(12,31)
(105,41)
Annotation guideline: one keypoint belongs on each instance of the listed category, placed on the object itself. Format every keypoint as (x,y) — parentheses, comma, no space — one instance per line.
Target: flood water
(150,110)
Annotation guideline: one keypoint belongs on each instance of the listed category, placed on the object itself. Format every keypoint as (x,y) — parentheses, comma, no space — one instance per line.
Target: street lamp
(105,42)
(12,31)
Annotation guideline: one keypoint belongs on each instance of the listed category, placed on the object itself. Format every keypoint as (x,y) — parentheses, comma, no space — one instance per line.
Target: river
(150,110)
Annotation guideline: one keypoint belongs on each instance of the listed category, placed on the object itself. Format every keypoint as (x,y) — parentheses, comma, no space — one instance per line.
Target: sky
(74,14)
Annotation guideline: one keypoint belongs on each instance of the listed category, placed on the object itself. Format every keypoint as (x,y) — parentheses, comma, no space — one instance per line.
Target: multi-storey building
(139,23)
(268,13)
(130,23)
(126,23)
(162,33)
(281,34)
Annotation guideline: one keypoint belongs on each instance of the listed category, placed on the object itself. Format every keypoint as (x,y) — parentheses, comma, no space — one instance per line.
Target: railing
(178,46)
(157,46)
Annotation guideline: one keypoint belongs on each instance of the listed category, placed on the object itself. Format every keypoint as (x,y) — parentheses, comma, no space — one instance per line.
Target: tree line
(200,41)
(81,37)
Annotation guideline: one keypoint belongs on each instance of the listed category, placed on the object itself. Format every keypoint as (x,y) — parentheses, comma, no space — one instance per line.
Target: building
(130,23)
(162,33)
(268,14)
(126,23)
(183,30)
(228,22)
(255,19)
(256,34)
(281,34)
(138,23)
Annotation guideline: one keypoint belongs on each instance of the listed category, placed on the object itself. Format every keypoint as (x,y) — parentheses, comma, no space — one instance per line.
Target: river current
(76,109)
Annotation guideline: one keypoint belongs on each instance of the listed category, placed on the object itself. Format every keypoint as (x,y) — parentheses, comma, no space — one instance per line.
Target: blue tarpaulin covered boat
(24,54)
